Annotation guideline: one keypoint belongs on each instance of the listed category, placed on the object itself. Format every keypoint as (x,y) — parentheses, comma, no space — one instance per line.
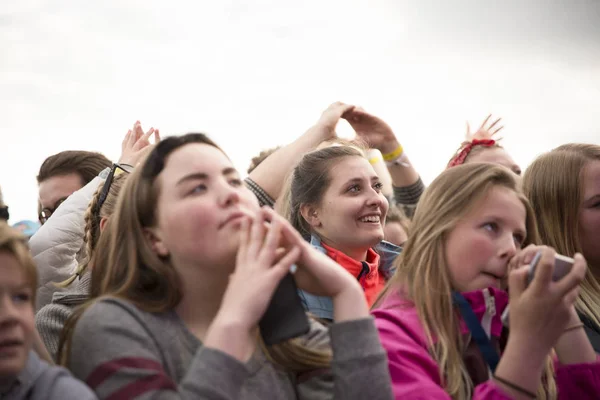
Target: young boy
(23,375)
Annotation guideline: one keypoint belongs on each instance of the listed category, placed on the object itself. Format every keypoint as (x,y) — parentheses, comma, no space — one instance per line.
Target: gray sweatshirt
(41,381)
(122,352)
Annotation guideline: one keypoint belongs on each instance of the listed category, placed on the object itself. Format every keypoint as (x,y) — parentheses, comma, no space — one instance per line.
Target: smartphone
(562,266)
(285,317)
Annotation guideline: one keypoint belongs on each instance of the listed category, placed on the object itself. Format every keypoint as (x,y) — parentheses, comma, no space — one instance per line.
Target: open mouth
(370,219)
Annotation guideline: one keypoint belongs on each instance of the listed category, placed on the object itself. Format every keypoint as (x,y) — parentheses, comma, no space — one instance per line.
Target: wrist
(231,336)
(389,147)
(350,303)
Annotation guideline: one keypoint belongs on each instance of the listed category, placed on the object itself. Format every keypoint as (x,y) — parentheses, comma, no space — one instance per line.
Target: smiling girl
(336,203)
(440,315)
(190,269)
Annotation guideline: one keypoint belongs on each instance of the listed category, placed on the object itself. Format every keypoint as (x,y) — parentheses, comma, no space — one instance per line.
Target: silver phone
(562,266)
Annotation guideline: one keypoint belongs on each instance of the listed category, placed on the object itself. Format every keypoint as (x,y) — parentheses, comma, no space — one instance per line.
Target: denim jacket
(322,307)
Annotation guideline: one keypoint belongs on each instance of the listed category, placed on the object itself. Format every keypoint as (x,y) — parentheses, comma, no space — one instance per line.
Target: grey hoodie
(41,381)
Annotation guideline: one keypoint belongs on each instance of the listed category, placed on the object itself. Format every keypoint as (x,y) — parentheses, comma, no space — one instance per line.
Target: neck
(203,290)
(354,253)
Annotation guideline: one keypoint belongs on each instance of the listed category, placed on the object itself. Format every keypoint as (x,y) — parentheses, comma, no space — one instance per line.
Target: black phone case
(285,317)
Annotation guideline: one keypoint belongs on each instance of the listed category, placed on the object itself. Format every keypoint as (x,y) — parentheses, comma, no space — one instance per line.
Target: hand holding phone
(562,266)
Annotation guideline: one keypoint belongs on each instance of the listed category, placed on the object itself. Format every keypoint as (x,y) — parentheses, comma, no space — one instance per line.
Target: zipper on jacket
(490,312)
(363,272)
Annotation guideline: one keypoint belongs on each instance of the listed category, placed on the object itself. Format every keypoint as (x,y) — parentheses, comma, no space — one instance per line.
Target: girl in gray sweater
(185,270)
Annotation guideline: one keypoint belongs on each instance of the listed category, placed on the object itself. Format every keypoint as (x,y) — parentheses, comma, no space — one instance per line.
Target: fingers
(497,130)
(127,138)
(524,257)
(137,131)
(156,136)
(271,243)
(484,122)
(290,234)
(244,239)
(468,130)
(494,124)
(283,266)
(574,278)
(257,235)
(517,281)
(146,136)
(545,268)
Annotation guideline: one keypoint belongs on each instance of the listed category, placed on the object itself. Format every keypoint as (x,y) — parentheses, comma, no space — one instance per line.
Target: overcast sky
(254,74)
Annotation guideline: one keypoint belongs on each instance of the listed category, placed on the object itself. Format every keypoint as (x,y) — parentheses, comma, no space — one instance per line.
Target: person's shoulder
(108,313)
(45,381)
(396,316)
(56,383)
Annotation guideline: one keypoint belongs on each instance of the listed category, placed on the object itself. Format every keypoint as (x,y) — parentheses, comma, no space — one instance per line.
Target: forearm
(522,366)
(402,174)
(270,175)
(573,346)
(350,304)
(381,170)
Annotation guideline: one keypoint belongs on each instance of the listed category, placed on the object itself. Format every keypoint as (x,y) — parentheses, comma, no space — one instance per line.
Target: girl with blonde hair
(563,187)
(191,263)
(439,317)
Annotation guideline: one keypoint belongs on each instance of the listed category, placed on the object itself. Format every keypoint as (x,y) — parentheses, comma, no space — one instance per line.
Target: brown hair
(129,268)
(422,264)
(310,179)
(92,222)
(262,156)
(14,243)
(553,184)
(86,164)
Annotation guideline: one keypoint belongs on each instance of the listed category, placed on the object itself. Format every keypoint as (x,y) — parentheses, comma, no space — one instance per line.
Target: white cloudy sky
(252,74)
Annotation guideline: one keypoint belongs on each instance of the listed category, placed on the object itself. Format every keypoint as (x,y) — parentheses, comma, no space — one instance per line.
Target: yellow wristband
(374,160)
(394,154)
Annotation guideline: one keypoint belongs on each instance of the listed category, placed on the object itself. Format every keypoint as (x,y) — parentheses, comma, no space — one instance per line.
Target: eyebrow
(356,180)
(203,176)
(592,198)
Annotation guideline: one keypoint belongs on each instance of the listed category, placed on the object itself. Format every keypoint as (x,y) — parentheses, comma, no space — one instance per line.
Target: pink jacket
(415,375)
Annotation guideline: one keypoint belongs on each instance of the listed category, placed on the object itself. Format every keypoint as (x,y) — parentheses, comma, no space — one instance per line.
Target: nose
(375,199)
(508,248)
(8,311)
(229,195)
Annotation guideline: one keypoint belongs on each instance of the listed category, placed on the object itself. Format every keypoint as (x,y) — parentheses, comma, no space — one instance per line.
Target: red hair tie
(459,159)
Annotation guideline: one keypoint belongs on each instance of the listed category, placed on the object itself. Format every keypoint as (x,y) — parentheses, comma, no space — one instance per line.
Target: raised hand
(330,118)
(375,131)
(543,309)
(136,144)
(484,132)
(319,275)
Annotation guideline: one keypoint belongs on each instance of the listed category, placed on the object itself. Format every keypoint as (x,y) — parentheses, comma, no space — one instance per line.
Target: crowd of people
(329,272)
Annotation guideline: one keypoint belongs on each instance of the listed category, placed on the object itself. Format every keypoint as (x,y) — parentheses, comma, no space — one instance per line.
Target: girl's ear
(159,247)
(103,222)
(310,215)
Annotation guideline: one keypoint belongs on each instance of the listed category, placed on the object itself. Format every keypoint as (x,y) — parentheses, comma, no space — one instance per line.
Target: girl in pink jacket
(439,317)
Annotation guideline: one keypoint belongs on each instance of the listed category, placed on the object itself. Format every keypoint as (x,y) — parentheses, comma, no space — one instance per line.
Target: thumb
(517,281)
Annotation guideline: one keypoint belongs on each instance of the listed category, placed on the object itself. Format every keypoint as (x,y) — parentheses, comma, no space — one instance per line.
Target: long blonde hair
(553,184)
(128,268)
(422,273)
(92,220)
